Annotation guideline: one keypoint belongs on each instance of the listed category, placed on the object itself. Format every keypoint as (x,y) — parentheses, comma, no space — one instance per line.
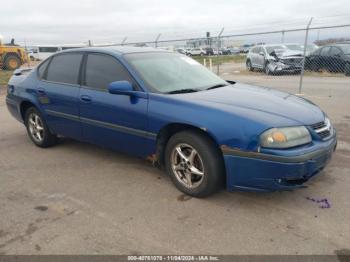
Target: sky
(107,21)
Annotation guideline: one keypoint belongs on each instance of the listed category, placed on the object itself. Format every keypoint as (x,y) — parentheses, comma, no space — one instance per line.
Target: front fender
(226,128)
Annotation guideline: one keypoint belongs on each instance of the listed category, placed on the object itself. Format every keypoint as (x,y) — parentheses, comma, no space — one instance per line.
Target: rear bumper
(13,108)
(250,171)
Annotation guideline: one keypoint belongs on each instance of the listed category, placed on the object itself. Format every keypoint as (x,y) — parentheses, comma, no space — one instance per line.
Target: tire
(35,124)
(201,54)
(267,69)
(206,160)
(347,69)
(12,62)
(314,67)
(249,66)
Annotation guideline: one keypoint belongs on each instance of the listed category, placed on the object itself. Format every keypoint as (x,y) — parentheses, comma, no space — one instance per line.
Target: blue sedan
(207,132)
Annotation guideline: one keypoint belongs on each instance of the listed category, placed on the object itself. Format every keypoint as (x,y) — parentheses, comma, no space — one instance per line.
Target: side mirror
(120,88)
(261,53)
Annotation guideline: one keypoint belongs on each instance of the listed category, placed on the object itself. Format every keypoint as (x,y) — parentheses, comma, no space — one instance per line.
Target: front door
(115,121)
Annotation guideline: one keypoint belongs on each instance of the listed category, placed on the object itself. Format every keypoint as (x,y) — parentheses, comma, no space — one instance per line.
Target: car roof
(271,45)
(336,44)
(118,50)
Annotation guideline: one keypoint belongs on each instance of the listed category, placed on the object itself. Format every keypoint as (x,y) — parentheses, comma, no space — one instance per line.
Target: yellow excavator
(12,56)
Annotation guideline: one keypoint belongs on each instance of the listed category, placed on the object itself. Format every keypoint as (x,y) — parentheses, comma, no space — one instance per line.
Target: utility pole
(217,50)
(156,41)
(25,47)
(304,54)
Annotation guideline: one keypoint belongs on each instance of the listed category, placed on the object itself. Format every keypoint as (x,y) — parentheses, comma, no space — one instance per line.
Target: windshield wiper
(216,86)
(181,91)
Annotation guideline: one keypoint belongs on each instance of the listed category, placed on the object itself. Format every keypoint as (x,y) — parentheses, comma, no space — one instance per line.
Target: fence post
(304,56)
(124,40)
(217,50)
(156,41)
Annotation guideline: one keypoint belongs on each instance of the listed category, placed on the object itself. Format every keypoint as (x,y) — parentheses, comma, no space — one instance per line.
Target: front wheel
(249,65)
(194,164)
(37,129)
(267,69)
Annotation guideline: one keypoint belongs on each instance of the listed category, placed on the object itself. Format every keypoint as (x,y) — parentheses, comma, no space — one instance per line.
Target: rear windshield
(345,48)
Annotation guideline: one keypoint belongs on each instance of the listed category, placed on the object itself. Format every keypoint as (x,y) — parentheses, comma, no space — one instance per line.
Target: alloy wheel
(187,166)
(36,127)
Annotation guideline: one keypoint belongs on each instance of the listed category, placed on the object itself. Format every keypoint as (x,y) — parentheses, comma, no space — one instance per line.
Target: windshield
(169,72)
(345,49)
(271,48)
(295,47)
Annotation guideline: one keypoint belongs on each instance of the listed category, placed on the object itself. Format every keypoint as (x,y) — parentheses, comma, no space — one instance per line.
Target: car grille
(322,129)
(292,61)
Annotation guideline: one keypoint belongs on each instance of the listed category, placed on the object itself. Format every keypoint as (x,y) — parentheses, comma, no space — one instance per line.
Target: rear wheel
(194,164)
(347,69)
(314,67)
(37,129)
(12,62)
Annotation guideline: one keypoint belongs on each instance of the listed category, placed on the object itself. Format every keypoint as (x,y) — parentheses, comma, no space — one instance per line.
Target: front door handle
(85,98)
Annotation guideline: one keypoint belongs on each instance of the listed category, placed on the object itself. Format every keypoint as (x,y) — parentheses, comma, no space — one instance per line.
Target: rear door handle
(41,91)
(85,98)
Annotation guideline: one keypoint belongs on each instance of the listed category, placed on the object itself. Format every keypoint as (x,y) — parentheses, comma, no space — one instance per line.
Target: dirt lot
(77,198)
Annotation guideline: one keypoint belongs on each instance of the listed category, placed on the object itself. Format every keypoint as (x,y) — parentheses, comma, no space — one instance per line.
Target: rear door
(58,92)
(336,62)
(324,58)
(115,121)
(253,56)
(260,57)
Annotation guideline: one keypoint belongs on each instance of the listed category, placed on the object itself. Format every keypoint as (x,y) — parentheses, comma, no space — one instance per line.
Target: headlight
(285,137)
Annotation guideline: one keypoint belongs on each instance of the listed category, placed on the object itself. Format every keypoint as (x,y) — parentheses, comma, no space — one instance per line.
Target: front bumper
(282,67)
(253,171)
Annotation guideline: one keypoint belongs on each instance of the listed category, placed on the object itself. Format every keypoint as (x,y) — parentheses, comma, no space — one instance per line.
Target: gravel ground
(77,198)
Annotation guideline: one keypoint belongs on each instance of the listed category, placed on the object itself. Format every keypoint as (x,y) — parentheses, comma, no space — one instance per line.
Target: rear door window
(101,70)
(254,50)
(325,51)
(64,68)
(42,68)
(335,51)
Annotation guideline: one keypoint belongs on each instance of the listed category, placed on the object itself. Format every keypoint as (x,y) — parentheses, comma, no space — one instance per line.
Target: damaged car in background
(273,59)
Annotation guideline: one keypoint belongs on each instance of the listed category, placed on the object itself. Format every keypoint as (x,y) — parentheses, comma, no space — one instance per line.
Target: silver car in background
(274,59)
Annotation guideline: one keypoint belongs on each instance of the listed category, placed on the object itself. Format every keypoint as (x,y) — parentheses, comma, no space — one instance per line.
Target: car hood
(263,101)
(288,54)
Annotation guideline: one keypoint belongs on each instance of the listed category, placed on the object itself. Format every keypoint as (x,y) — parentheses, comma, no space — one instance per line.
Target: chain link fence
(268,58)
(293,56)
